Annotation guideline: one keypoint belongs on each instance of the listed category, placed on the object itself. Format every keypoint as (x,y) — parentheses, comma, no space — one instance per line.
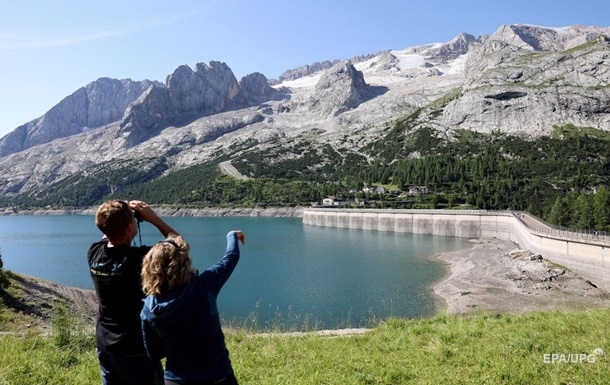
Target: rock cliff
(512,88)
(340,89)
(307,70)
(189,95)
(98,103)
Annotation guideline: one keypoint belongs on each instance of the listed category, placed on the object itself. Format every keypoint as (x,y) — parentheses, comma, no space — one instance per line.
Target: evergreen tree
(583,213)
(601,209)
(560,212)
(570,207)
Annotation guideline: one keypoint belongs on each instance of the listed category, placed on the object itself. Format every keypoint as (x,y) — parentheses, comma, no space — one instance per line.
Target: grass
(478,349)
(572,131)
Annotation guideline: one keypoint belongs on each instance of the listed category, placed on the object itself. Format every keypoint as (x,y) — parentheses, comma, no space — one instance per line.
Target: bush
(3,284)
(3,278)
(69,333)
(62,325)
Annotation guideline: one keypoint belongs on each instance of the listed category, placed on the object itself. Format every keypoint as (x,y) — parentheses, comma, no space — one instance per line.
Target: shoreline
(497,275)
(441,302)
(491,275)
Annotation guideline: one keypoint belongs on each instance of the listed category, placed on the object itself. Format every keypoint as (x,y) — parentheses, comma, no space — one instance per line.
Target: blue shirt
(184,324)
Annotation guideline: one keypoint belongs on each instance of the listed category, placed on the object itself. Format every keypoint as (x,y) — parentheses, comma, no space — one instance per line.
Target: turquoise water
(290,276)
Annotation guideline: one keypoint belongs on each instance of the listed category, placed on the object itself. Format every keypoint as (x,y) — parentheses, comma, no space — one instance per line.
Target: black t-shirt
(116,276)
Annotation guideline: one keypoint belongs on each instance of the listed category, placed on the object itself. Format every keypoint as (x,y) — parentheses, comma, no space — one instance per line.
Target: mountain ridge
(520,79)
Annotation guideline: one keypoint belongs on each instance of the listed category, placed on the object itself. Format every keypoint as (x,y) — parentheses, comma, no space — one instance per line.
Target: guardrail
(564,232)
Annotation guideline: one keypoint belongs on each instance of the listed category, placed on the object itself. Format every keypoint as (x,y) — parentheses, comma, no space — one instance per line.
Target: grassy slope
(478,349)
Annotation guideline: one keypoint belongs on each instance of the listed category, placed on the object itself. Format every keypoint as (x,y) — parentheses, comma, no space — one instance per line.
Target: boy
(115,268)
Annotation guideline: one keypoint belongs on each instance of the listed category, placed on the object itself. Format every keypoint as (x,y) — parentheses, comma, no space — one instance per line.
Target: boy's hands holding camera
(147,214)
(144,211)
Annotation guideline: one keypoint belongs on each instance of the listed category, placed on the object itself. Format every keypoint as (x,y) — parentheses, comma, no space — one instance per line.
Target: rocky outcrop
(189,95)
(207,90)
(254,89)
(385,61)
(508,89)
(458,46)
(340,89)
(307,70)
(310,69)
(360,58)
(147,116)
(98,103)
(538,38)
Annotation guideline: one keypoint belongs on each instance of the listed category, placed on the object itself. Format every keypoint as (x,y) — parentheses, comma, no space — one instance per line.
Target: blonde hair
(166,265)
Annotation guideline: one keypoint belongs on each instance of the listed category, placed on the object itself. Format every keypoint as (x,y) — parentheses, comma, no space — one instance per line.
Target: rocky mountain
(98,103)
(189,95)
(520,79)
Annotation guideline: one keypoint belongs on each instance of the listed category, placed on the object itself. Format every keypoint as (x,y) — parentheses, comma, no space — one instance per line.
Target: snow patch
(306,81)
(408,60)
(455,66)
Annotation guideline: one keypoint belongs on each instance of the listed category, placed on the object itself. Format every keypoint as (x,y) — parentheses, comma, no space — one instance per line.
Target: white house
(382,190)
(418,190)
(328,201)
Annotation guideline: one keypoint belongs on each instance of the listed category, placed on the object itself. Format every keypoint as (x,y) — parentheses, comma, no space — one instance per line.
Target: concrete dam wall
(586,254)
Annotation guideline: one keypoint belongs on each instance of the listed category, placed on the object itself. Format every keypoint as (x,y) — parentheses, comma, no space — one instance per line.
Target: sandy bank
(497,275)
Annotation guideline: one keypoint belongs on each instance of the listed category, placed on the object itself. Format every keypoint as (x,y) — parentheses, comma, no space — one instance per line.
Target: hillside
(35,302)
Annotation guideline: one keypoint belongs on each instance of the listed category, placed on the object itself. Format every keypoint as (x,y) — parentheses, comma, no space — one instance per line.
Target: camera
(137,215)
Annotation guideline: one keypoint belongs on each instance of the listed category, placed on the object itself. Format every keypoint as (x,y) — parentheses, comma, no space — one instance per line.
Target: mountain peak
(340,89)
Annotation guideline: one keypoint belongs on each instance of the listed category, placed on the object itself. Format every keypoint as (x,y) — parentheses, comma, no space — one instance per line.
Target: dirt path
(228,169)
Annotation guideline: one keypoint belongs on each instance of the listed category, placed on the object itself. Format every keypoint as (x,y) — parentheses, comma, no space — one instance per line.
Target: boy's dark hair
(113,218)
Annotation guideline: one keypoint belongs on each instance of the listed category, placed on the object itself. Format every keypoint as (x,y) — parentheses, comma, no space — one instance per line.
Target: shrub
(62,325)
(3,278)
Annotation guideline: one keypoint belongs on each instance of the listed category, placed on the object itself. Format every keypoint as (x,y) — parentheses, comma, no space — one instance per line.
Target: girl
(180,317)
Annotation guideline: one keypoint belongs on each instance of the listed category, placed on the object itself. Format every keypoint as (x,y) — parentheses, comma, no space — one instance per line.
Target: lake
(290,275)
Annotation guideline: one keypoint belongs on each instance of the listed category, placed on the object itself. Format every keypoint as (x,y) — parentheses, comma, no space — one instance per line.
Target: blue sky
(49,49)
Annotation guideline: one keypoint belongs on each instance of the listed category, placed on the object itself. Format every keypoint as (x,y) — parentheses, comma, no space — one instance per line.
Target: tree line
(562,178)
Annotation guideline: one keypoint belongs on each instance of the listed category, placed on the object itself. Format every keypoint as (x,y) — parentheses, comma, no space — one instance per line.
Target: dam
(585,253)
